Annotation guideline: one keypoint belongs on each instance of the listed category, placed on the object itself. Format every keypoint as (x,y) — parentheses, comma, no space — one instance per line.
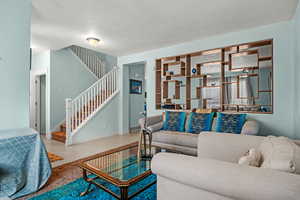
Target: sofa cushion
(198,122)
(280,153)
(230,123)
(176,138)
(174,121)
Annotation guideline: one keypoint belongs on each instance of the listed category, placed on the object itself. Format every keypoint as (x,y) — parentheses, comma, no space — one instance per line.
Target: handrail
(114,68)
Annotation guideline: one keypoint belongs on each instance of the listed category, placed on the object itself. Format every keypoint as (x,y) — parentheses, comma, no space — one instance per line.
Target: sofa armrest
(155,127)
(151,121)
(251,127)
(227,179)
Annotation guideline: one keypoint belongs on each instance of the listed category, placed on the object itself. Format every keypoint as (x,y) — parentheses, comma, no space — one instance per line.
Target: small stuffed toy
(251,158)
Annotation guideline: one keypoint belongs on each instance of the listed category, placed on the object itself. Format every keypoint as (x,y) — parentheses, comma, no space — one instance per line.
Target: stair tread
(59,136)
(59,133)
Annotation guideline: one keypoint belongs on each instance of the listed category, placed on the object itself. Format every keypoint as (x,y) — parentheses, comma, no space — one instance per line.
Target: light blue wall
(110,61)
(15,19)
(296,22)
(40,60)
(136,101)
(279,123)
(68,78)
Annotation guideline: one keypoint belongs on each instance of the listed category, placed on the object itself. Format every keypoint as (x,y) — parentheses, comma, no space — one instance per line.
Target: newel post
(68,121)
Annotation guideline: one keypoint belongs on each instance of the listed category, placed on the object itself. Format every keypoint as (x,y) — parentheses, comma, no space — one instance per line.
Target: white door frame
(37,103)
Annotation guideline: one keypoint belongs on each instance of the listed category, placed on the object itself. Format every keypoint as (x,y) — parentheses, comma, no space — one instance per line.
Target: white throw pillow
(280,153)
(251,158)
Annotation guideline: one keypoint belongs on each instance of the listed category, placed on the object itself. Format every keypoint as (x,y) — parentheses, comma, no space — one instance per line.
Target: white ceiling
(130,26)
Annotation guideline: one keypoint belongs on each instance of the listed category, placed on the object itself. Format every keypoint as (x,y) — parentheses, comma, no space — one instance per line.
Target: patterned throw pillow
(199,122)
(174,121)
(230,123)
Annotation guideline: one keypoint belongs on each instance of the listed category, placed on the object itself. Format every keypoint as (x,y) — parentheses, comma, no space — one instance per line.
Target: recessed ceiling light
(93,41)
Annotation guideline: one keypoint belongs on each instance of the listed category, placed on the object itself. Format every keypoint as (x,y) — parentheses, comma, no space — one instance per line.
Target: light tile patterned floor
(79,151)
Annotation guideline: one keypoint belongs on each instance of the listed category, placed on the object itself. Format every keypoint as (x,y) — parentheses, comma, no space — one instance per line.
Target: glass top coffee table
(120,167)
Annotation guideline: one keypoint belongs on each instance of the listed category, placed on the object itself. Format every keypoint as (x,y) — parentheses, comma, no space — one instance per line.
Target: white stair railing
(92,61)
(88,103)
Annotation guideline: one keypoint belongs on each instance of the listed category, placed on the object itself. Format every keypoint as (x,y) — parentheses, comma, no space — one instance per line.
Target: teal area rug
(72,191)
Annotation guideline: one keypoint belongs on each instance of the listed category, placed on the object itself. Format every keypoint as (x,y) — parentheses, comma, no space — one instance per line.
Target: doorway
(40,103)
(136,76)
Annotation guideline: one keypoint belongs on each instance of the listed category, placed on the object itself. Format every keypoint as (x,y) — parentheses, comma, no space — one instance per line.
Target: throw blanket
(24,165)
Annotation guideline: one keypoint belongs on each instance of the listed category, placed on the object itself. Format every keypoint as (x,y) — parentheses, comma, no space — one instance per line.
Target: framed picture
(135,87)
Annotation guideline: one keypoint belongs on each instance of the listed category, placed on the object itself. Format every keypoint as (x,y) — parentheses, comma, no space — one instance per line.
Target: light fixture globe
(93,41)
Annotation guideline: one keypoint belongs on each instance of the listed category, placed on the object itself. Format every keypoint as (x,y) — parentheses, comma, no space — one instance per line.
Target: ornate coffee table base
(123,189)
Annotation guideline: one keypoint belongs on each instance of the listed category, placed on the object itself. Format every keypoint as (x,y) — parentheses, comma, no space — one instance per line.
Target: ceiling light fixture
(93,41)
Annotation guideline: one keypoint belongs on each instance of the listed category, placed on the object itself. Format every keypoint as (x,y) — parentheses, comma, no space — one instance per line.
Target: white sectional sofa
(181,141)
(215,174)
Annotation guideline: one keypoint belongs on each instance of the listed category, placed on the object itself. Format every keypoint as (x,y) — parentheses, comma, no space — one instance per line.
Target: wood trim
(222,74)
(158,93)
(267,58)
(188,82)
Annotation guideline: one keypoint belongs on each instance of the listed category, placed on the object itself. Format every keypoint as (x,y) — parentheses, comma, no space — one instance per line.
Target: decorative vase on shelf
(194,71)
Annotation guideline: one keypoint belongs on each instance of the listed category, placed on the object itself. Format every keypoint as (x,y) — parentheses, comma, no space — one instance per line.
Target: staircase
(86,105)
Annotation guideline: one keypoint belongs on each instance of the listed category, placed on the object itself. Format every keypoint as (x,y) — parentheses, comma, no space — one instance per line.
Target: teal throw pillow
(230,123)
(174,121)
(198,122)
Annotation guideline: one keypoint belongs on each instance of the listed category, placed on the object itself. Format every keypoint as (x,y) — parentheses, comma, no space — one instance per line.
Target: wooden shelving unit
(226,77)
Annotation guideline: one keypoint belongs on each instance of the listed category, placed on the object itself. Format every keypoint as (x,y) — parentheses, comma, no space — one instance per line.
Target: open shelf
(178,64)
(244,53)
